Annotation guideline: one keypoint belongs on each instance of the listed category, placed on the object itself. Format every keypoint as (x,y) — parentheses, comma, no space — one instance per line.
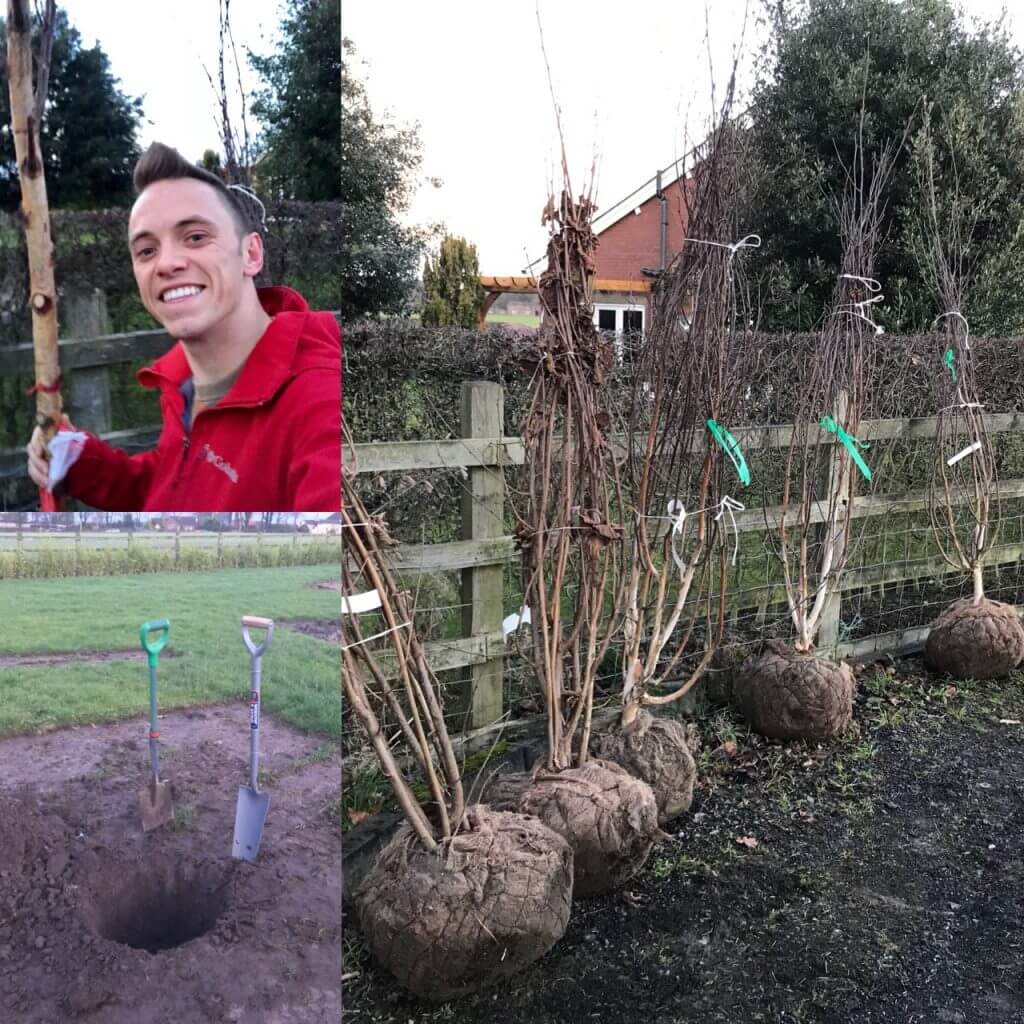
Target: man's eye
(196,236)
(141,254)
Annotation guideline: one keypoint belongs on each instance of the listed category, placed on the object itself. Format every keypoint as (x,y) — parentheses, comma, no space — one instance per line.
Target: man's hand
(39,457)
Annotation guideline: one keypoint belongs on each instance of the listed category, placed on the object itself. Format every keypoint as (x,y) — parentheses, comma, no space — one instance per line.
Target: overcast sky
(158,50)
(629,79)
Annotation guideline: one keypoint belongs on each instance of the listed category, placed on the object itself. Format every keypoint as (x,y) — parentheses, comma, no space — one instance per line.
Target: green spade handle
(154,647)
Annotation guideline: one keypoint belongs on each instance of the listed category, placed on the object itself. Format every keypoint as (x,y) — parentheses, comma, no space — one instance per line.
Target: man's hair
(163,163)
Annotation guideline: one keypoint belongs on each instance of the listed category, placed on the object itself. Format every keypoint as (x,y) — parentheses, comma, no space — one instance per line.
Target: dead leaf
(728,748)
(357,816)
(748,841)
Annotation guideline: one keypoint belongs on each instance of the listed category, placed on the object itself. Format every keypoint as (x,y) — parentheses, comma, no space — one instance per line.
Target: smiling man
(251,392)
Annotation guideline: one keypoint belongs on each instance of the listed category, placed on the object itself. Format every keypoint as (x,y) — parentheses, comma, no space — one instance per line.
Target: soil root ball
(787,695)
(609,818)
(975,641)
(657,751)
(487,903)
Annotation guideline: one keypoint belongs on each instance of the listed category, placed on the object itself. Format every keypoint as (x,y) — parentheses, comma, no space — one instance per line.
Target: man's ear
(252,254)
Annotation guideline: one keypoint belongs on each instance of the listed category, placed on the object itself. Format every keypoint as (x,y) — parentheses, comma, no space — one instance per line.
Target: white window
(620,319)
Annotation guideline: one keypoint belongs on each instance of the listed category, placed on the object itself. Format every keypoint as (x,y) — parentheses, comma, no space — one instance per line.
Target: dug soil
(874,878)
(100,922)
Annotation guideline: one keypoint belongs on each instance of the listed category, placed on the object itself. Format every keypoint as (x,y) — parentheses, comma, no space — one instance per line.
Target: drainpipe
(663,242)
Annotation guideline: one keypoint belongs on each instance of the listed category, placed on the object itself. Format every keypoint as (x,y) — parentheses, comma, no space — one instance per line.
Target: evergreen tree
(452,293)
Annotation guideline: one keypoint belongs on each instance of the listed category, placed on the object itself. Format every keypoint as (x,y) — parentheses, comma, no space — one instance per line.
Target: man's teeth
(180,293)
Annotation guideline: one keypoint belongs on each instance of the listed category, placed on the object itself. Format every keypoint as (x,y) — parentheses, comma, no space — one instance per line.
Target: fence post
(84,314)
(483,518)
(839,482)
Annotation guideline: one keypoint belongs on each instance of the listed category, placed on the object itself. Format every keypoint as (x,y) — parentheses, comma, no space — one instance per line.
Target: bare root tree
(791,693)
(960,483)
(570,532)
(27,106)
(976,638)
(823,463)
(689,387)
(410,702)
(513,873)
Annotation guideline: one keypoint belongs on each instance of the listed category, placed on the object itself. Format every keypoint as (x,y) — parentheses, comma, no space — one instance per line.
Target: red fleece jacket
(272,444)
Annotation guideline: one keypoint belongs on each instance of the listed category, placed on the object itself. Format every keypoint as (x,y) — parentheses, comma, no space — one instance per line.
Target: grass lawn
(210,663)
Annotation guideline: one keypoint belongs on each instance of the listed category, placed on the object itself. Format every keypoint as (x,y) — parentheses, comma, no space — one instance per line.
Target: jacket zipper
(185,444)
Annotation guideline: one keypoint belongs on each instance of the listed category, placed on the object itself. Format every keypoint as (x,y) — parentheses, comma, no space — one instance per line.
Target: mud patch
(322,629)
(101,922)
(76,657)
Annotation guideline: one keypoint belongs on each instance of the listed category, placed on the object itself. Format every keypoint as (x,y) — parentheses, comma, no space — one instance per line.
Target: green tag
(731,448)
(950,362)
(851,443)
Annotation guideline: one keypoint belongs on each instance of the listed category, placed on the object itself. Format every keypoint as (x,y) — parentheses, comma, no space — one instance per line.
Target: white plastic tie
(246,191)
(677,513)
(747,242)
(376,636)
(729,506)
(969,450)
(873,286)
(967,326)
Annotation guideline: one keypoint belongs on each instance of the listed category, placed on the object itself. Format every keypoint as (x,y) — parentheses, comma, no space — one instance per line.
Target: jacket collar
(269,366)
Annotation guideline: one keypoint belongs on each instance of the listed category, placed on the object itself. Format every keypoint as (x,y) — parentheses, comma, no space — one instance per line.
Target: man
(250,394)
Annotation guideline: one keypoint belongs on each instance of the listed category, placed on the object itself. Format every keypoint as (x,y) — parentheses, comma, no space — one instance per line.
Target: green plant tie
(731,448)
(852,444)
(950,362)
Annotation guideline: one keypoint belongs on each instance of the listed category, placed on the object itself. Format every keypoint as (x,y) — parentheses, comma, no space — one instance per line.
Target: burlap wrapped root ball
(656,750)
(492,900)
(976,640)
(971,640)
(609,818)
(787,695)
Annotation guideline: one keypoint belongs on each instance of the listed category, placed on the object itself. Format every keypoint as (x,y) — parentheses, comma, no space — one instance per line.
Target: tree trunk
(25,113)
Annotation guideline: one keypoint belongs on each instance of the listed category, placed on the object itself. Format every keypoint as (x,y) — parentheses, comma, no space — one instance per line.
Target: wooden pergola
(495,286)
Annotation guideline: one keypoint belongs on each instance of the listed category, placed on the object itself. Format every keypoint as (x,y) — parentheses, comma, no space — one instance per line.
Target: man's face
(190,265)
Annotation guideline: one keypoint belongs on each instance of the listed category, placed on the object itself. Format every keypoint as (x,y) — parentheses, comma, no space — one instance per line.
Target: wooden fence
(484,550)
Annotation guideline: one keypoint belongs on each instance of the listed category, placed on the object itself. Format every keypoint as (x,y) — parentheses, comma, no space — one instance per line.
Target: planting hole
(158,908)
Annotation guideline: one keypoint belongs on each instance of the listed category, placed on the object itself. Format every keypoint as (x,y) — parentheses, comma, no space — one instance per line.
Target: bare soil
(322,629)
(874,878)
(102,923)
(76,657)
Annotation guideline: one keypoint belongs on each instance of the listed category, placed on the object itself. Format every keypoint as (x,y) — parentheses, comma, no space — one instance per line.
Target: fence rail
(482,554)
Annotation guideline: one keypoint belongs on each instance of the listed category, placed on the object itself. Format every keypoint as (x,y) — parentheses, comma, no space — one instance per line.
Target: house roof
(610,215)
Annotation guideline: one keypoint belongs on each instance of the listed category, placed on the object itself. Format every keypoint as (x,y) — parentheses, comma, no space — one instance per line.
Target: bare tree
(792,692)
(234,132)
(413,903)
(570,531)
(26,116)
(976,638)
